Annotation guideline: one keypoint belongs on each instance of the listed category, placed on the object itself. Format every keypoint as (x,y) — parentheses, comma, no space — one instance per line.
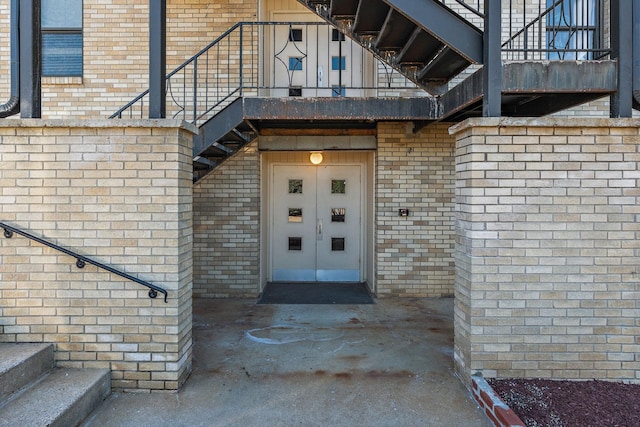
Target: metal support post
(636,51)
(30,60)
(492,62)
(622,51)
(157,58)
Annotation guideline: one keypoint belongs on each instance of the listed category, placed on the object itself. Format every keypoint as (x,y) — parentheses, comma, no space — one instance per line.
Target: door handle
(319,229)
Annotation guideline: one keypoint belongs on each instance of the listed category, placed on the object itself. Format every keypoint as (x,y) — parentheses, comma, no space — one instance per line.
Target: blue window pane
(571,33)
(338,91)
(338,63)
(61,54)
(568,13)
(61,14)
(295,63)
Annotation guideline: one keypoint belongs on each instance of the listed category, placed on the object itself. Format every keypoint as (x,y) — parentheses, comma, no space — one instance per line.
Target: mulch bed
(551,403)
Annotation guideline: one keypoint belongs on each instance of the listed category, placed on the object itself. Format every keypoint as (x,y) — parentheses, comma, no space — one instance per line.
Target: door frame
(364,159)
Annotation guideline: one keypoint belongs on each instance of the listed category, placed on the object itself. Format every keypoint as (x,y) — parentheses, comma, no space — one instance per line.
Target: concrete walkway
(388,364)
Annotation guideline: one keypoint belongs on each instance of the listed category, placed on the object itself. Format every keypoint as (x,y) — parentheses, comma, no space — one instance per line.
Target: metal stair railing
(559,30)
(82,260)
(546,29)
(188,80)
(243,62)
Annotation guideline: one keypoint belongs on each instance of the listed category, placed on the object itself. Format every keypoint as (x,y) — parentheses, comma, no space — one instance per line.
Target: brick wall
(117,192)
(414,254)
(548,230)
(116,38)
(226,223)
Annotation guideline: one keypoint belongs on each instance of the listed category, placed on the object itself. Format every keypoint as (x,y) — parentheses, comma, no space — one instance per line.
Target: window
(295,63)
(61,38)
(295,34)
(338,63)
(337,244)
(338,91)
(572,29)
(338,186)
(295,243)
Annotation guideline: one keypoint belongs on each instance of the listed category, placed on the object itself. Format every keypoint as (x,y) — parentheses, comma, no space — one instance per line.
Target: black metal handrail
(234,66)
(82,260)
(536,39)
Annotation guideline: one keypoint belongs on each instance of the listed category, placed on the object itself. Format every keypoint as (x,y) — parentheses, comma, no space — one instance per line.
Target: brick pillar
(548,248)
(119,192)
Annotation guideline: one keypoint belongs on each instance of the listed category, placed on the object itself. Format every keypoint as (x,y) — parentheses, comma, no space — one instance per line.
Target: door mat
(316,293)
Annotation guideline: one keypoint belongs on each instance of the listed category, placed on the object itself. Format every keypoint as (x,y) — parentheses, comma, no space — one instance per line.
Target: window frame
(580,29)
(56,31)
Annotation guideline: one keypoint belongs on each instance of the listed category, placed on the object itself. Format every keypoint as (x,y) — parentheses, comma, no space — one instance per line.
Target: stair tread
(22,363)
(50,401)
(12,354)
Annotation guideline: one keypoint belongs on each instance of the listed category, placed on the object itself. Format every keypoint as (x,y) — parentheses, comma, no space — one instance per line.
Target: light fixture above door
(315,157)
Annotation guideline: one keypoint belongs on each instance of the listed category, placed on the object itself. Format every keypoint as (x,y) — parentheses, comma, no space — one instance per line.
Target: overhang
(534,88)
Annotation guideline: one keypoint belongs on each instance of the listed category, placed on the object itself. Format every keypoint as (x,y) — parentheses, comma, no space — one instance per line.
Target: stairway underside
(424,40)
(534,88)
(529,89)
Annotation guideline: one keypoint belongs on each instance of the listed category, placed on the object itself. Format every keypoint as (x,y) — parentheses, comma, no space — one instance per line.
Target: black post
(15,47)
(636,54)
(622,51)
(30,60)
(157,58)
(492,62)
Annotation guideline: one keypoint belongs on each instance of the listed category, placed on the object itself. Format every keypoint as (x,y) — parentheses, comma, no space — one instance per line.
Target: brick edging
(497,411)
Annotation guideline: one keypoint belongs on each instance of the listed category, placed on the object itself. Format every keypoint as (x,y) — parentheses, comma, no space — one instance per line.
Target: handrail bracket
(82,261)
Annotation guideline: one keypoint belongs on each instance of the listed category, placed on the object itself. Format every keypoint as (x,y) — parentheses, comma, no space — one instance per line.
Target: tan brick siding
(116,38)
(549,248)
(226,209)
(414,254)
(117,192)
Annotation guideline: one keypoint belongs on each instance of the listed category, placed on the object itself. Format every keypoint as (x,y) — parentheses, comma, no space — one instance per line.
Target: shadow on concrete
(384,364)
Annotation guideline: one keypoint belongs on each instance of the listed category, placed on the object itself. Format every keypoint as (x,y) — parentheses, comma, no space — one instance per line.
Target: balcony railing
(555,30)
(280,59)
(312,59)
(545,29)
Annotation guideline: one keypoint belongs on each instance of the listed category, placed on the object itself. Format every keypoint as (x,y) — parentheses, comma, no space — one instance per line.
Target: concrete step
(62,398)
(21,364)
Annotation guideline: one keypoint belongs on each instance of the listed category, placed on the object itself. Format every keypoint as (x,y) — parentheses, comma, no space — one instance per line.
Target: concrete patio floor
(387,364)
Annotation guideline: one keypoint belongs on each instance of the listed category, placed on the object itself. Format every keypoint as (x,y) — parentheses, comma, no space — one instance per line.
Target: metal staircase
(225,91)
(220,137)
(543,65)
(427,41)
(539,65)
(206,90)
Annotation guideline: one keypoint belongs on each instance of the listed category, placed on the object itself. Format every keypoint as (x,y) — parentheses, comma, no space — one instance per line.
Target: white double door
(316,223)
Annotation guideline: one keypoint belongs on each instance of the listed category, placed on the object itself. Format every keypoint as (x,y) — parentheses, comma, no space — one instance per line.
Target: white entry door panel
(316,215)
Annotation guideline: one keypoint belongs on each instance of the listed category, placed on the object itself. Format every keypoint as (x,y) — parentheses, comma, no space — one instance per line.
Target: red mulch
(551,403)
